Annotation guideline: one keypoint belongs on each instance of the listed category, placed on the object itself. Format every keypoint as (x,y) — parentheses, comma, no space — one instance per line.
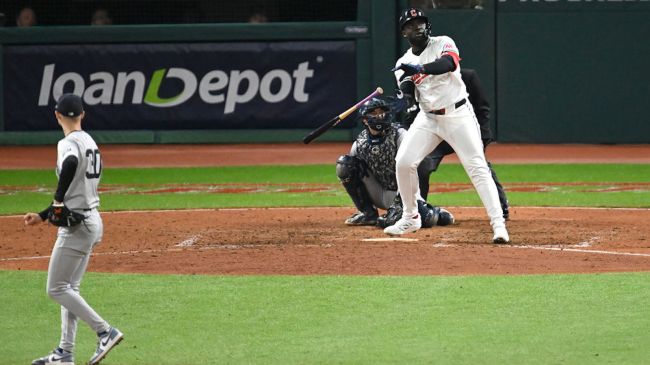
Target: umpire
(482,110)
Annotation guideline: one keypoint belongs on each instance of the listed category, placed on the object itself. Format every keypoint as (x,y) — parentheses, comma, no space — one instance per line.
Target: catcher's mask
(376,114)
(413,13)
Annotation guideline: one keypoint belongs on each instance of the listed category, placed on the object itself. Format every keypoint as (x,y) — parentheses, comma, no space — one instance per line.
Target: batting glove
(409,69)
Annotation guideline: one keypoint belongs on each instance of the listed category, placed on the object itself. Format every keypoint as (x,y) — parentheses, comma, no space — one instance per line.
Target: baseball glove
(61,216)
(393,214)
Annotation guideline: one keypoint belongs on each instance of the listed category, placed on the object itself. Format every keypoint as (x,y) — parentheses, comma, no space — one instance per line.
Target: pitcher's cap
(70,105)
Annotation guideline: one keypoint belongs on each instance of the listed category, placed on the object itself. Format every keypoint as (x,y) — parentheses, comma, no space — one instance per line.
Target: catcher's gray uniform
(378,155)
(74,244)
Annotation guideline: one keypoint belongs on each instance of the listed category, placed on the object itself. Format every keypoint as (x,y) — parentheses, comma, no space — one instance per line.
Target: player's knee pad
(347,168)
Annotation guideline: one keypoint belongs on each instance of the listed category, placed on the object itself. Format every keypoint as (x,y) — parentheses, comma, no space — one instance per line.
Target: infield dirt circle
(304,241)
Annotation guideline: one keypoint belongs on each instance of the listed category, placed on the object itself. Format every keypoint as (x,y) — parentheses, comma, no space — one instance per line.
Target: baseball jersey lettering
(94,167)
(418,78)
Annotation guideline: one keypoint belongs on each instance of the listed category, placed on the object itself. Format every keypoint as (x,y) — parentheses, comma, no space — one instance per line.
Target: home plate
(386,239)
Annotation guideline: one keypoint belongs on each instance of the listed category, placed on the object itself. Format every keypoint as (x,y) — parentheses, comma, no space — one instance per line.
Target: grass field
(543,319)
(593,188)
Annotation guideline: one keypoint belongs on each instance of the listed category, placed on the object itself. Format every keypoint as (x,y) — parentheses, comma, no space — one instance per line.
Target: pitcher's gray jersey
(82,193)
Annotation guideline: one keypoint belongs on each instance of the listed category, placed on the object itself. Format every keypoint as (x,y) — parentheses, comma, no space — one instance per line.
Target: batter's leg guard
(348,170)
(502,194)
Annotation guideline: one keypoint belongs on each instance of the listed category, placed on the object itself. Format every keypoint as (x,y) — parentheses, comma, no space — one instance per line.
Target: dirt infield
(315,241)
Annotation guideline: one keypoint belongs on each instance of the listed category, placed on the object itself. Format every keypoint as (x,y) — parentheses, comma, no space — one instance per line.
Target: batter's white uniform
(458,126)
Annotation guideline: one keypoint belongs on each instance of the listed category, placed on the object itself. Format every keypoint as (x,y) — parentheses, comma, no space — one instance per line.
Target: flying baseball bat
(336,120)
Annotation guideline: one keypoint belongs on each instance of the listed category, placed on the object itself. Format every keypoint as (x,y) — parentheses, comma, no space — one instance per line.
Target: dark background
(79,12)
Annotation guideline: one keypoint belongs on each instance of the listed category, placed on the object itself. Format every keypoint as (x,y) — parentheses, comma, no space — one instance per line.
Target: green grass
(590,177)
(545,319)
(448,173)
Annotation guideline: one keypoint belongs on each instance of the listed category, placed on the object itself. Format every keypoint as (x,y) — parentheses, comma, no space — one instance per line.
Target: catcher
(74,211)
(368,172)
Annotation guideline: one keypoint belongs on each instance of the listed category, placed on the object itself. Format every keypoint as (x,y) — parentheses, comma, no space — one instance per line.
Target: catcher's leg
(380,196)
(348,170)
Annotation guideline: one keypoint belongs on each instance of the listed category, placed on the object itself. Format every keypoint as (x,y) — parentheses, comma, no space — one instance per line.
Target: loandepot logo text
(215,87)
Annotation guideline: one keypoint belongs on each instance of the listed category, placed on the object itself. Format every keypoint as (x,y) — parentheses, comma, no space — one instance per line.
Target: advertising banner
(239,85)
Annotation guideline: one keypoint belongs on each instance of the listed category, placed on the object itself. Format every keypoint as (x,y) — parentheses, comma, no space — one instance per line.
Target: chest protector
(379,155)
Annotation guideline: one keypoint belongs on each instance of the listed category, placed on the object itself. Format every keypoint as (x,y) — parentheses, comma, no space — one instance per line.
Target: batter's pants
(461,130)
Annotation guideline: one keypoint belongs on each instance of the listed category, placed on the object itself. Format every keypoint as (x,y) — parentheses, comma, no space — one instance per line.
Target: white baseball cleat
(56,357)
(105,342)
(404,225)
(500,235)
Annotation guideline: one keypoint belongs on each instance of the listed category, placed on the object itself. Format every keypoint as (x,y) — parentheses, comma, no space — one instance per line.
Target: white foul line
(580,250)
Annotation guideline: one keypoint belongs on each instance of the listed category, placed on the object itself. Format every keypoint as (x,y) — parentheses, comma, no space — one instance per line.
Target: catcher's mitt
(393,214)
(61,216)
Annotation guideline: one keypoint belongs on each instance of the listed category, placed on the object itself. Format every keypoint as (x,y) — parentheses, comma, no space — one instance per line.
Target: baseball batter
(79,168)
(429,72)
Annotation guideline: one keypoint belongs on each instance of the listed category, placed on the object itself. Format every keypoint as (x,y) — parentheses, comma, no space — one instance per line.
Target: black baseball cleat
(361,219)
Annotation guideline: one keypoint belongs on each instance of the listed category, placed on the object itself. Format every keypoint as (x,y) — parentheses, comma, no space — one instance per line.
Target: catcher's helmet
(413,13)
(378,123)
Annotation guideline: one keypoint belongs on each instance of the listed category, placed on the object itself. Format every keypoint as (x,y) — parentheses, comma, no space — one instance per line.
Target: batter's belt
(444,111)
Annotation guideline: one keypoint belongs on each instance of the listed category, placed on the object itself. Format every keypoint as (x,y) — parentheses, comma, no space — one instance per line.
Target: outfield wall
(554,71)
